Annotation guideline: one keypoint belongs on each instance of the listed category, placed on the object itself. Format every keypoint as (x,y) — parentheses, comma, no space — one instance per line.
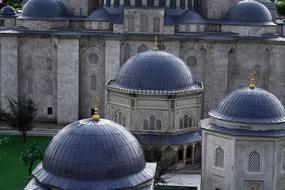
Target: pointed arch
(143,23)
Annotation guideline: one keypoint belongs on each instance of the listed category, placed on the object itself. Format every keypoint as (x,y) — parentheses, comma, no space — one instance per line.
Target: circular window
(191,61)
(93,58)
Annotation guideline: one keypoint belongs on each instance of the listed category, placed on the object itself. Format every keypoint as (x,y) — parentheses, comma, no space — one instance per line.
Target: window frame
(215,157)
(260,151)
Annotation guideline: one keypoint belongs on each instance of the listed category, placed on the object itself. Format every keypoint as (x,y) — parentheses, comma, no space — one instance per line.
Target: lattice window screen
(219,157)
(254,162)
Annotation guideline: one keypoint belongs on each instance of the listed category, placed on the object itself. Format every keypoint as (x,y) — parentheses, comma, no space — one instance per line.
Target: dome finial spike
(252,83)
(155,43)
(96,116)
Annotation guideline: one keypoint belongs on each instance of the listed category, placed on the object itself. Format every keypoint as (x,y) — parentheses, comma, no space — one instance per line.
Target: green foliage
(281,7)
(20,116)
(33,152)
(3,139)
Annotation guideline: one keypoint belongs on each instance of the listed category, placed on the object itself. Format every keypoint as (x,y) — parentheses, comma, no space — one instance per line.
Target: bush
(281,7)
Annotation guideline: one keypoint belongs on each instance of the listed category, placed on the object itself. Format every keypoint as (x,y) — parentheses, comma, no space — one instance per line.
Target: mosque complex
(189,94)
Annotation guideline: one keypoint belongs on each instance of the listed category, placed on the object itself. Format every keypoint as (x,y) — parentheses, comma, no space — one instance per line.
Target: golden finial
(155,43)
(96,115)
(252,84)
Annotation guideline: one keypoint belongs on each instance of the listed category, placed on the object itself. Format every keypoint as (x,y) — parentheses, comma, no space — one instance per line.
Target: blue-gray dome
(8,11)
(250,106)
(154,71)
(44,9)
(100,14)
(249,11)
(190,17)
(93,155)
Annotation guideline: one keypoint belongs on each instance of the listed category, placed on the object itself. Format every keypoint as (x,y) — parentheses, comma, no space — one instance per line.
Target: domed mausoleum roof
(249,11)
(100,14)
(89,154)
(155,71)
(44,9)
(189,17)
(250,106)
(8,11)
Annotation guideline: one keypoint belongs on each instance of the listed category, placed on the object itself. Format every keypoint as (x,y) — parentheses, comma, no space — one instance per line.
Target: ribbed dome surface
(44,9)
(8,11)
(250,106)
(189,17)
(154,70)
(100,14)
(93,155)
(248,11)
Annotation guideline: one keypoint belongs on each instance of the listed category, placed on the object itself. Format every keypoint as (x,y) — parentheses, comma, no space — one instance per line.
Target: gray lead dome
(93,155)
(44,9)
(250,106)
(249,11)
(154,70)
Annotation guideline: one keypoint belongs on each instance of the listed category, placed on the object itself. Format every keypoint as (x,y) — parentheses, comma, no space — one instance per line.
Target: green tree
(20,115)
(280,7)
(34,152)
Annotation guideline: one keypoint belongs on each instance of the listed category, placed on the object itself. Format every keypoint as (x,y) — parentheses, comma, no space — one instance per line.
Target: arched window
(145,124)
(219,157)
(131,24)
(187,28)
(138,3)
(152,124)
(156,25)
(93,58)
(48,87)
(108,3)
(143,23)
(93,82)
(119,118)
(29,86)
(254,162)
(185,122)
(127,53)
(49,64)
(162,3)
(116,3)
(191,61)
(142,48)
(150,3)
(283,159)
(173,4)
(127,3)
(182,4)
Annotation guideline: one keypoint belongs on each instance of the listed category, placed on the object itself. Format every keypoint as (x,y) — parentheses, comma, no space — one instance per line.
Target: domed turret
(156,71)
(8,11)
(100,14)
(44,9)
(249,11)
(250,105)
(93,154)
(189,17)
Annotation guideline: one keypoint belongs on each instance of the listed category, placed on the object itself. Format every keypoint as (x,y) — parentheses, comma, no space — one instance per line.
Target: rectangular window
(29,86)
(49,111)
(93,82)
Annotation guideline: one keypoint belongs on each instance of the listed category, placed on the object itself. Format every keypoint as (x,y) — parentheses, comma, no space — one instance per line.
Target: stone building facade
(62,55)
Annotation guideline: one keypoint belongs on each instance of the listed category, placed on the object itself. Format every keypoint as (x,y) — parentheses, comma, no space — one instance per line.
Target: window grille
(152,124)
(119,118)
(254,162)
(219,157)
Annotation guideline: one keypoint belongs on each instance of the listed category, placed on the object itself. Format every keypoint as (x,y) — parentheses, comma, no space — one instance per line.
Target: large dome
(190,17)
(250,106)
(154,71)
(249,11)
(44,9)
(93,155)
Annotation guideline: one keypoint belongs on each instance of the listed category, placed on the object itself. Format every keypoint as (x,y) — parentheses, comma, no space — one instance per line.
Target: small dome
(249,11)
(250,106)
(100,14)
(190,17)
(44,9)
(8,11)
(93,155)
(155,71)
